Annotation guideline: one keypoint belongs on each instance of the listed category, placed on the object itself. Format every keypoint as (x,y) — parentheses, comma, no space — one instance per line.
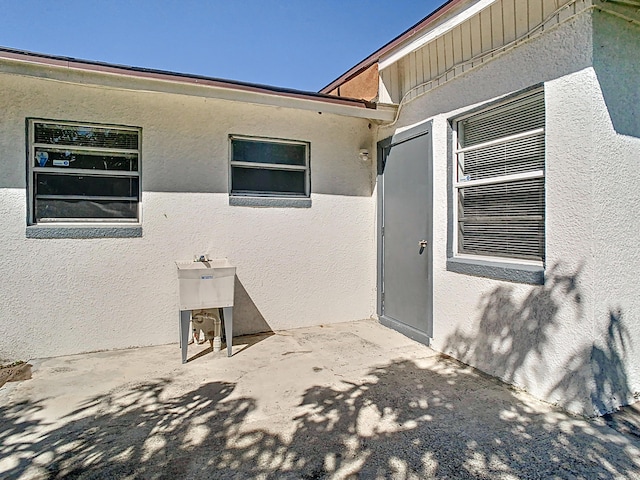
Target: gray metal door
(405,256)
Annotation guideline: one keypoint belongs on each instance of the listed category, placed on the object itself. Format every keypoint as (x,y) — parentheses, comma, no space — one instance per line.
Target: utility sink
(207,284)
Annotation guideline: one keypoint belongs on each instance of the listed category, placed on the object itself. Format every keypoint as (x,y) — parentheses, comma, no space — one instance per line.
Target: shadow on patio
(404,419)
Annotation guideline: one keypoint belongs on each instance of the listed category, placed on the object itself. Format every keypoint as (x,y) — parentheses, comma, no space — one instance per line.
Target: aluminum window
(268,167)
(500,180)
(83,173)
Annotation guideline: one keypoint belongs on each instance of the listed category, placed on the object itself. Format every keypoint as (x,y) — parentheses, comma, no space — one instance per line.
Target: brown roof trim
(149,73)
(375,56)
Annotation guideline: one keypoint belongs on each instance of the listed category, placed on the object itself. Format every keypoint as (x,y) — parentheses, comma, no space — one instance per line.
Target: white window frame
(458,183)
(32,170)
(270,166)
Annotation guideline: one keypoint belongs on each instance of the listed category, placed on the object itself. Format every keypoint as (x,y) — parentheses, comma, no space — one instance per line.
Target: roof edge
(407,34)
(166,75)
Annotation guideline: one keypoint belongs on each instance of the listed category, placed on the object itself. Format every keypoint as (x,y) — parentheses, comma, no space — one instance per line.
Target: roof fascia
(426,22)
(132,78)
(428,35)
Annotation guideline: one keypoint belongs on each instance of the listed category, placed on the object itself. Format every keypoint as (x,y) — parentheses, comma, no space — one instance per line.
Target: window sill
(270,202)
(61,231)
(511,272)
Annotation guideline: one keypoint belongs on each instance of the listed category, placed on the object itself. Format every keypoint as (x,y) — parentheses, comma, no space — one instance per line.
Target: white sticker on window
(61,163)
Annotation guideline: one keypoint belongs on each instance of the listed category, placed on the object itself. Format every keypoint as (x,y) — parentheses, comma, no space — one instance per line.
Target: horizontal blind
(502,214)
(510,158)
(524,114)
(86,136)
(503,219)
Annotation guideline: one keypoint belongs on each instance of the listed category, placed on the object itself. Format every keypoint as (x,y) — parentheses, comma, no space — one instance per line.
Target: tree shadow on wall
(597,372)
(404,419)
(513,340)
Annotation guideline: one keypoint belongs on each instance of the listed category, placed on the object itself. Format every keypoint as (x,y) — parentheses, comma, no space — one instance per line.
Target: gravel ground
(352,400)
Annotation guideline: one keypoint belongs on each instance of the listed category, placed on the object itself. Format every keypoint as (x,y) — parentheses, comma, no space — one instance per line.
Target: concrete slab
(353,400)
(625,420)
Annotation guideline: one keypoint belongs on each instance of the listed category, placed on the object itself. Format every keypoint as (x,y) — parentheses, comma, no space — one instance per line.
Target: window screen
(500,182)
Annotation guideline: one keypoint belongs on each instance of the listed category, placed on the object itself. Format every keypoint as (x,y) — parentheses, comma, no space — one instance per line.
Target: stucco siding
(295,266)
(575,340)
(616,199)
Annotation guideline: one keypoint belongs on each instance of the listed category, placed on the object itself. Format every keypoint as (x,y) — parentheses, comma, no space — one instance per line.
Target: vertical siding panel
(433,60)
(398,77)
(485,30)
(549,6)
(465,40)
(399,80)
(522,17)
(426,68)
(497,29)
(393,75)
(413,74)
(499,24)
(405,75)
(476,35)
(508,20)
(440,53)
(535,13)
(456,35)
(397,84)
(392,85)
(419,70)
(447,40)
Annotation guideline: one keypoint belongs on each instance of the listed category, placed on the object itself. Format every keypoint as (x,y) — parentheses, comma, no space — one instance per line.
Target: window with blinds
(499,185)
(83,173)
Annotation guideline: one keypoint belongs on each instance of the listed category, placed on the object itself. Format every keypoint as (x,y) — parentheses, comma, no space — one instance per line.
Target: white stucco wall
(296,266)
(576,339)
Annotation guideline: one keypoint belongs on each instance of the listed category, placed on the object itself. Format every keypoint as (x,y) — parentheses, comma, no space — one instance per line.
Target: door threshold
(406,330)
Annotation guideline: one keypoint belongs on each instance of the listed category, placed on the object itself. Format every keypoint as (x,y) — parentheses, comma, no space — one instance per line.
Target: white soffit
(434,33)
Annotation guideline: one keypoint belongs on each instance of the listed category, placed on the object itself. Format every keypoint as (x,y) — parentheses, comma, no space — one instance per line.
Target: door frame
(382,147)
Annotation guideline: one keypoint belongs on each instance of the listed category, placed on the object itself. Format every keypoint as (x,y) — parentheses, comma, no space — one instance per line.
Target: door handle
(422,244)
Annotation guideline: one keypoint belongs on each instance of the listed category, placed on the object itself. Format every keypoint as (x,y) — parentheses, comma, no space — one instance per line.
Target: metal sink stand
(185,319)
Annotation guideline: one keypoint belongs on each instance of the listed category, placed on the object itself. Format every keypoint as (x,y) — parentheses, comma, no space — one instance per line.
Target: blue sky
(299,44)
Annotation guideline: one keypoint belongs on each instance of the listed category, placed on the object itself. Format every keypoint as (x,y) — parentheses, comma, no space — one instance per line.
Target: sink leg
(185,318)
(227,313)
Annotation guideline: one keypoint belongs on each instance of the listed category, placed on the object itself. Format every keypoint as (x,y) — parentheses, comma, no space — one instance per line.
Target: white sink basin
(206,284)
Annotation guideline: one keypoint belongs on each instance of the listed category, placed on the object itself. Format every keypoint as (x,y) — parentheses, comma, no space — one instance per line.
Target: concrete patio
(352,400)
